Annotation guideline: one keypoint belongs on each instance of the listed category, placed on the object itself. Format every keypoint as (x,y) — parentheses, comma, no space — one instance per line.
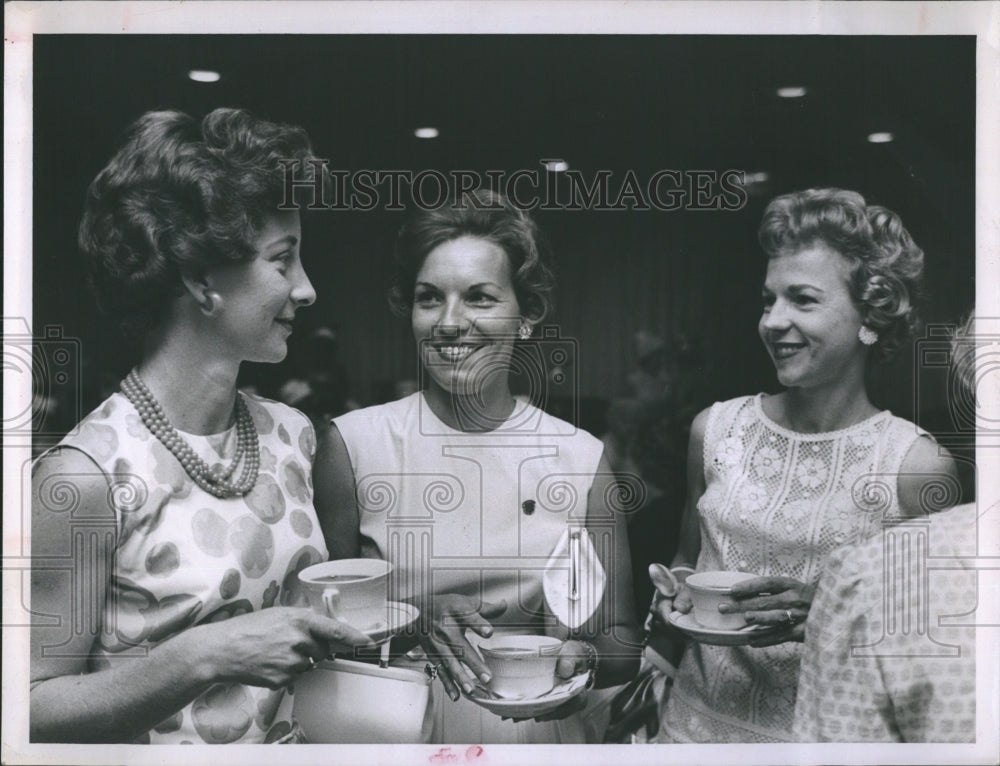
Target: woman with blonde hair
(777,482)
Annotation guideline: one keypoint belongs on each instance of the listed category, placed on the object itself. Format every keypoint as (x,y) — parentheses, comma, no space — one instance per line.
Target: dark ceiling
(506,101)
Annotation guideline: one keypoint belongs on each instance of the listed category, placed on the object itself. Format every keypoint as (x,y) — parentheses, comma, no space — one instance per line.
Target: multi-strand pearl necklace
(215,481)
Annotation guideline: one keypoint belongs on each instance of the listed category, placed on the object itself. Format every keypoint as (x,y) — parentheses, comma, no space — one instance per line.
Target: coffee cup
(349,590)
(710,589)
(522,666)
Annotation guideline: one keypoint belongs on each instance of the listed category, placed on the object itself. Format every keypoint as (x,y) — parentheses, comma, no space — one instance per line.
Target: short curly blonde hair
(886,264)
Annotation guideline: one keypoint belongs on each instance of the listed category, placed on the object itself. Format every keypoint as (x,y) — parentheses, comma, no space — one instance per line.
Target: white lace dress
(776,503)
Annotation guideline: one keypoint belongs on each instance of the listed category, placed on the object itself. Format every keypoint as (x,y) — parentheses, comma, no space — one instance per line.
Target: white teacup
(522,666)
(708,591)
(350,590)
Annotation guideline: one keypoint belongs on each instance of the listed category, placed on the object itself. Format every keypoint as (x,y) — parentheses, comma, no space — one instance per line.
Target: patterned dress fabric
(890,647)
(776,503)
(448,509)
(186,558)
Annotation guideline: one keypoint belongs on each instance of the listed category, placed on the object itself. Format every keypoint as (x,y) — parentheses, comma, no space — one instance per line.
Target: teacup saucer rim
(687,623)
(559,693)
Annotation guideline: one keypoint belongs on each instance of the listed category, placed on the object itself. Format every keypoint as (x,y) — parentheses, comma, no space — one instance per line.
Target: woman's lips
(455,352)
(786,350)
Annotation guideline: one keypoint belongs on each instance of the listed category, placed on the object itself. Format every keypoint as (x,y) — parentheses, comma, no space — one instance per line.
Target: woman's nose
(776,318)
(453,318)
(303,293)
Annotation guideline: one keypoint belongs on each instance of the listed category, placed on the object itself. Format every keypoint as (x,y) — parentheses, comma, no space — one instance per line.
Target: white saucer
(687,624)
(398,617)
(535,706)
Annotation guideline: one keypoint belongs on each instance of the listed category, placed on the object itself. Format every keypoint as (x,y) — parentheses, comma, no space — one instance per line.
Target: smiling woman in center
(445,483)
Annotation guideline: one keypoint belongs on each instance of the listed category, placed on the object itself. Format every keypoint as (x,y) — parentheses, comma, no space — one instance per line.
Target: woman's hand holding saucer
(451,615)
(270,648)
(574,658)
(773,601)
(671,595)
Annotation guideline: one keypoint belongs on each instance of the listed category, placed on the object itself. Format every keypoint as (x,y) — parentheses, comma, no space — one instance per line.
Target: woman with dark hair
(466,488)
(185,505)
(776,482)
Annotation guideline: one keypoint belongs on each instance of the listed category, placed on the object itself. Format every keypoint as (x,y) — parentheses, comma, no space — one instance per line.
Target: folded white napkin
(574,580)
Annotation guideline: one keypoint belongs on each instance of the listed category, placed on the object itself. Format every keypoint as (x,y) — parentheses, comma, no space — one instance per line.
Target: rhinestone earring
(867,335)
(524,331)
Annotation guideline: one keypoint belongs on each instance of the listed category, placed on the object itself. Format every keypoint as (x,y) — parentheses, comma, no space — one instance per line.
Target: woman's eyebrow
(286,241)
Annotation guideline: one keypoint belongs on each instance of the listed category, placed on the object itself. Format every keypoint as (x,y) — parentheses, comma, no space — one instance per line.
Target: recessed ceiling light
(556,166)
(427,132)
(884,137)
(792,91)
(204,75)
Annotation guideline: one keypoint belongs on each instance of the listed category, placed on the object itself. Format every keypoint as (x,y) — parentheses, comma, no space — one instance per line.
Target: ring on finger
(312,662)
(789,617)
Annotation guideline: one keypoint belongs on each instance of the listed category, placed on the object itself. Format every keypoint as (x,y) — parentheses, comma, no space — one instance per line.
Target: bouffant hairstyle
(178,197)
(886,266)
(488,215)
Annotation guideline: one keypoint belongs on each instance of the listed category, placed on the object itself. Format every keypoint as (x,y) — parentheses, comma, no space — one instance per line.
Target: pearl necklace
(215,481)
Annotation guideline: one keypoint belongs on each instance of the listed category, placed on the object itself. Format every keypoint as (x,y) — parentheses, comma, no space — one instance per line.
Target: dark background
(640,103)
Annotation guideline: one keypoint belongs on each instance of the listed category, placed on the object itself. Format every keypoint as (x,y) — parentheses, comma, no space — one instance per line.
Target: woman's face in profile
(260,297)
(465,315)
(810,321)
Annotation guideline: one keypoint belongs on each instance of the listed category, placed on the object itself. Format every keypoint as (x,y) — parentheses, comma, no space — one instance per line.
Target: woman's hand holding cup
(773,601)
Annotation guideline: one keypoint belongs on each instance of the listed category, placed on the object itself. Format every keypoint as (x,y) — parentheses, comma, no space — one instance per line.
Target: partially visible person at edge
(186,506)
(890,645)
(776,482)
(492,480)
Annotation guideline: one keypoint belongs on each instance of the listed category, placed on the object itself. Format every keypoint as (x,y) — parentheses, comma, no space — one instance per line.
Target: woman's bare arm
(336,496)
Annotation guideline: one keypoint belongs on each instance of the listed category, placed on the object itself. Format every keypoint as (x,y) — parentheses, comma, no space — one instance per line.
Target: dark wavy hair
(886,266)
(488,215)
(178,196)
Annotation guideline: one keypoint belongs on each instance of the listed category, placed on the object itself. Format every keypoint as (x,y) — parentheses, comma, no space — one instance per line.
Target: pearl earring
(524,331)
(867,335)
(209,305)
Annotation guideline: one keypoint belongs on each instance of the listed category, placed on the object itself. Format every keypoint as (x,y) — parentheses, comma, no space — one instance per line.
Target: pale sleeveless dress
(185,557)
(776,503)
(447,508)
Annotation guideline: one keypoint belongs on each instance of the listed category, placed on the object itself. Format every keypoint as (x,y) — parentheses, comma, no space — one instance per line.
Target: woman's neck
(197,390)
(485,411)
(818,410)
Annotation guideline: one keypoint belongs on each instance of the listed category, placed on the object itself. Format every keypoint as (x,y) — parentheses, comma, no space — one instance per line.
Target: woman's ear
(199,286)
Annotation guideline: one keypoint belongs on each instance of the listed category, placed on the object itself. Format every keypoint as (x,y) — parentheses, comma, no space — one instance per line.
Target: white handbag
(343,701)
